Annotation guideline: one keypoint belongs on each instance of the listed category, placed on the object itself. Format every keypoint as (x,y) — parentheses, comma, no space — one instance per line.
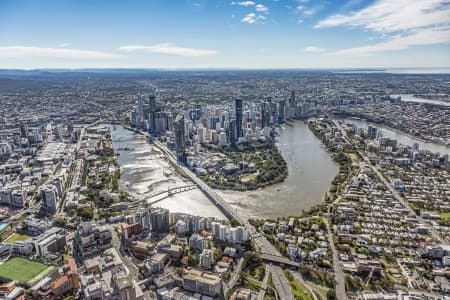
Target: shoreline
(149,180)
(236,196)
(283,198)
(409,135)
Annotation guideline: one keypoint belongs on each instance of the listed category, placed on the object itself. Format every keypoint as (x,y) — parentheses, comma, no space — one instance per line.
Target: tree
(86,213)
(331,294)
(234,222)
(60,222)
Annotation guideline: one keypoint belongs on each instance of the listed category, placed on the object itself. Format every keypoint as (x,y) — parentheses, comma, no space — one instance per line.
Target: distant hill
(8,84)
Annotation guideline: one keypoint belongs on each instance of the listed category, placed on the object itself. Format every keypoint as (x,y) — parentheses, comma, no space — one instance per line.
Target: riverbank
(400,136)
(146,172)
(311,171)
(248,166)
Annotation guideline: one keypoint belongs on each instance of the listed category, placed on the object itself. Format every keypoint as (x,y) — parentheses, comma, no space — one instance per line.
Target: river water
(310,167)
(412,98)
(401,137)
(145,173)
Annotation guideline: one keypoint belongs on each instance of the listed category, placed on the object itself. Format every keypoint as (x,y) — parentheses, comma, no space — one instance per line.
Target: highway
(262,290)
(281,283)
(264,245)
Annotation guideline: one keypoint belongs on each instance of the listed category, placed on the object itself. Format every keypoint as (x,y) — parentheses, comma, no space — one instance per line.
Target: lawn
(257,272)
(26,271)
(353,156)
(299,290)
(444,215)
(16,237)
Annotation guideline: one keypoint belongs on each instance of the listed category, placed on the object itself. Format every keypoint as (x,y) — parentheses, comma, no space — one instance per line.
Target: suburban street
(388,184)
(339,274)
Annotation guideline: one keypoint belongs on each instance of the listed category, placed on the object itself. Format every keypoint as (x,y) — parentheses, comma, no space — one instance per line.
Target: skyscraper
(140,111)
(49,196)
(159,219)
(292,99)
(238,118)
(23,131)
(179,136)
(151,114)
(232,132)
(282,111)
(263,114)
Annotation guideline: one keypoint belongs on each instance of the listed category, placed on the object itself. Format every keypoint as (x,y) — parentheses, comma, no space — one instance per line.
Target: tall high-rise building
(142,217)
(23,131)
(232,132)
(238,118)
(159,219)
(49,195)
(140,111)
(282,111)
(179,136)
(206,259)
(263,114)
(151,114)
(292,101)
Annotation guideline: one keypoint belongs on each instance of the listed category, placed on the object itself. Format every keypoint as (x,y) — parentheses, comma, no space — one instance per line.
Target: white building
(198,242)
(180,227)
(206,258)
(142,217)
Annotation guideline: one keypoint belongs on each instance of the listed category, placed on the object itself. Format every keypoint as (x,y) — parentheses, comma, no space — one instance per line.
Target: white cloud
(392,16)
(309,11)
(166,48)
(421,37)
(253,18)
(314,49)
(262,8)
(243,3)
(401,24)
(34,52)
(64,45)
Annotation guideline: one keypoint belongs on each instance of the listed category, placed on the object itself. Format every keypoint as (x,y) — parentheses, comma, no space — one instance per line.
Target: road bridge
(263,244)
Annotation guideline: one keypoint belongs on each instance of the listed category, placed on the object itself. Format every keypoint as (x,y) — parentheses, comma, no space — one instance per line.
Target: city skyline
(225,34)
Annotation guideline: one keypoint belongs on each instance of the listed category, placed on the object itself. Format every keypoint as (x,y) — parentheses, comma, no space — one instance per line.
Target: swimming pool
(3,226)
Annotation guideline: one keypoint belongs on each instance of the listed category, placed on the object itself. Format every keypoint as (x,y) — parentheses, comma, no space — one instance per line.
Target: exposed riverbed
(145,172)
(311,170)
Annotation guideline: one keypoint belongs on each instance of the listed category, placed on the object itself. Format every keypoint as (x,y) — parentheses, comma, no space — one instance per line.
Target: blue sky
(224,34)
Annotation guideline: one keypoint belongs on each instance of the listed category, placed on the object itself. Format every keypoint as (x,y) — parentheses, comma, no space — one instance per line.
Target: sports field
(27,272)
(16,237)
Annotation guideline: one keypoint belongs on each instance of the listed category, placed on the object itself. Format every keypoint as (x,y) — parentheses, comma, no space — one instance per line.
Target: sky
(224,34)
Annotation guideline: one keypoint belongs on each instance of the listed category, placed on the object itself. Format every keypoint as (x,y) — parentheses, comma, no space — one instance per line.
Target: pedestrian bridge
(160,196)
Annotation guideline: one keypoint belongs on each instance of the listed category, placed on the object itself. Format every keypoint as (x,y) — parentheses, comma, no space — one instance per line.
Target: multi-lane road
(263,244)
(281,283)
